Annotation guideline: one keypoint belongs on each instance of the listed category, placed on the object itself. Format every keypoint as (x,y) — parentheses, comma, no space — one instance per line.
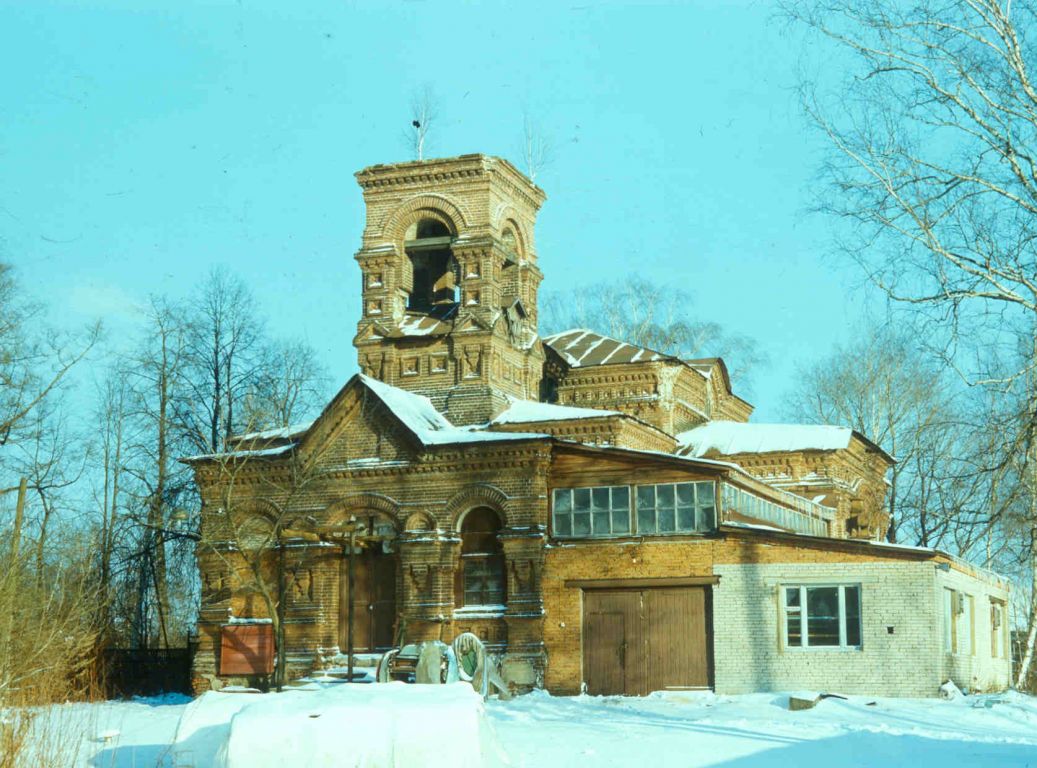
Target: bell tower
(450,283)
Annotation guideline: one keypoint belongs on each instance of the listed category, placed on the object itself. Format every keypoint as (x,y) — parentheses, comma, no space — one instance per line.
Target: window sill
(632,536)
(823,649)
(495,611)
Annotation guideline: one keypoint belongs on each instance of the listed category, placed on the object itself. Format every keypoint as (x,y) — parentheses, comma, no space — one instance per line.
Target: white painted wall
(750,653)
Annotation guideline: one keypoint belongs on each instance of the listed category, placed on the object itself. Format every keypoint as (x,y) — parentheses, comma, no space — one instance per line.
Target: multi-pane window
(603,511)
(609,511)
(823,616)
(482,560)
(675,507)
(807,518)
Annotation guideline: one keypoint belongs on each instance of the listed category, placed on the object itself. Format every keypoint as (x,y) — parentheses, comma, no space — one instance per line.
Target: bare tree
(537,149)
(52,458)
(34,361)
(224,348)
(111,416)
(934,162)
(291,384)
(159,375)
(641,312)
(249,513)
(886,387)
(424,111)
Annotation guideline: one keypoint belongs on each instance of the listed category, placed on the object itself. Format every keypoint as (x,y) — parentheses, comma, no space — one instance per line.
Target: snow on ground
(664,729)
(700,729)
(113,734)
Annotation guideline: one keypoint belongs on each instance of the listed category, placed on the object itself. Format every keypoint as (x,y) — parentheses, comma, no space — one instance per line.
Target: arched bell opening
(435,277)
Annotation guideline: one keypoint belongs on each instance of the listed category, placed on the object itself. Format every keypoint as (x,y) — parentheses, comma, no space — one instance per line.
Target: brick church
(607,518)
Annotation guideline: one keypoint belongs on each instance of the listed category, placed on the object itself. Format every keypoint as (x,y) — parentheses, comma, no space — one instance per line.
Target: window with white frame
(826,616)
(675,507)
(603,511)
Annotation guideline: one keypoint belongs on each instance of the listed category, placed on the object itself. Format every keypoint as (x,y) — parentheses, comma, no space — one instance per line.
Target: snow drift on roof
(430,426)
(520,411)
(580,347)
(732,437)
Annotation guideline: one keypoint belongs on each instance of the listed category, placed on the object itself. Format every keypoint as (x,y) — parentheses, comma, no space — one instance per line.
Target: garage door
(640,640)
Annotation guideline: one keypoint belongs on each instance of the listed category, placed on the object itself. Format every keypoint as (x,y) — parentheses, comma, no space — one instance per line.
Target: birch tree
(537,149)
(651,315)
(933,162)
(424,112)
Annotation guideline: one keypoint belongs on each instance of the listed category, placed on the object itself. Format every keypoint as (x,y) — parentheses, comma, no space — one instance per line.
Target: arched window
(433,267)
(508,238)
(482,560)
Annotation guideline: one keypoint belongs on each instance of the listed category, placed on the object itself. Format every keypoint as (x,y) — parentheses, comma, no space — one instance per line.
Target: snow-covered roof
(521,411)
(580,347)
(292,430)
(731,437)
(256,453)
(430,426)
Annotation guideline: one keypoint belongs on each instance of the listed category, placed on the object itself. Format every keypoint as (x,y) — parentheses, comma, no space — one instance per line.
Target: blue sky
(144,143)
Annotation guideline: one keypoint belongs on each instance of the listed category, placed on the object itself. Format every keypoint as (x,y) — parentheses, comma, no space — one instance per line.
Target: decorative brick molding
(426,205)
(481,495)
(338,511)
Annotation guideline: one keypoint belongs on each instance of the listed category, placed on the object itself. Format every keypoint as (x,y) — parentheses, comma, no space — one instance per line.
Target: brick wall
(749,642)
(563,605)
(898,591)
(975,669)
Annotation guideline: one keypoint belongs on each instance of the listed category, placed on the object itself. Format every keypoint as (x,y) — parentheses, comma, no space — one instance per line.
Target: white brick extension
(902,651)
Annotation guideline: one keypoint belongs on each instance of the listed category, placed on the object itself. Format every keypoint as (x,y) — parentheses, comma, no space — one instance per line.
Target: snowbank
(391,725)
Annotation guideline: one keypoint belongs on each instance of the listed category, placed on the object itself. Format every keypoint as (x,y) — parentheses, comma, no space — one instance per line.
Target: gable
(357,428)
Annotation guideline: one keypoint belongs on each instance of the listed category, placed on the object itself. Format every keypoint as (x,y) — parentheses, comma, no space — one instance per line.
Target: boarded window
(966,629)
(823,616)
(997,628)
(959,629)
(949,608)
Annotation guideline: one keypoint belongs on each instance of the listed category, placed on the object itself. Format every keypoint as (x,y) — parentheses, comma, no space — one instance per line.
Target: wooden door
(611,639)
(636,641)
(604,643)
(678,641)
(374,601)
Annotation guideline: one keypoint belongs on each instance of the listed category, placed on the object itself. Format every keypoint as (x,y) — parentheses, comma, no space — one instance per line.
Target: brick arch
(255,522)
(506,216)
(479,495)
(439,207)
(419,521)
(264,508)
(339,510)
